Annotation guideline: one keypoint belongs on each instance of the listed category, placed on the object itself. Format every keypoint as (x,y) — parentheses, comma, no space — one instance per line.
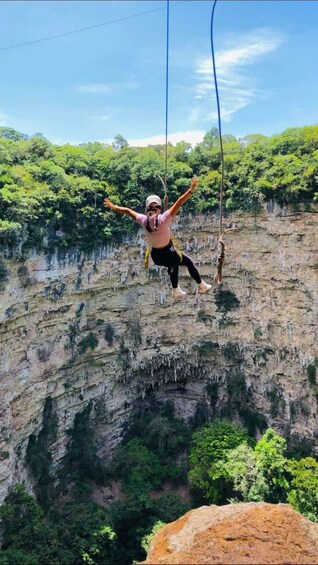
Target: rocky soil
(238,534)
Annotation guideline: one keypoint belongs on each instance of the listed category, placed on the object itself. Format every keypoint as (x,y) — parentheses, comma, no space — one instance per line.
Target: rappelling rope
(220,259)
(164,180)
(165,200)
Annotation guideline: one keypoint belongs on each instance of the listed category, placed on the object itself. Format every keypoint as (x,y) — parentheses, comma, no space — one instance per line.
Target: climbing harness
(146,259)
(175,245)
(221,245)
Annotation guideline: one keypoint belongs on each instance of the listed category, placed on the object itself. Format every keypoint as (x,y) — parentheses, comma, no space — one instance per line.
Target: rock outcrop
(247,533)
(101,333)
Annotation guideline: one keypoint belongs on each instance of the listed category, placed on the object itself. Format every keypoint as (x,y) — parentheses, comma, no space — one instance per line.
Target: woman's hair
(152,223)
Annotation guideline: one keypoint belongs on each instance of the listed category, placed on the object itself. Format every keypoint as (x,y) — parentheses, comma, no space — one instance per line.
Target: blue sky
(93,84)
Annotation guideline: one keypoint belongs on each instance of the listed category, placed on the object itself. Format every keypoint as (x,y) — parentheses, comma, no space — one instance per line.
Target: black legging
(169,257)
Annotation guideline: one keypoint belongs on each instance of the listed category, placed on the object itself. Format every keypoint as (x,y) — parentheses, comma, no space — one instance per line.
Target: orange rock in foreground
(236,534)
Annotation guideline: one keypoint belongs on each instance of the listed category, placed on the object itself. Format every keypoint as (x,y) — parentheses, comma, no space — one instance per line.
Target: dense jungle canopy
(215,463)
(52,196)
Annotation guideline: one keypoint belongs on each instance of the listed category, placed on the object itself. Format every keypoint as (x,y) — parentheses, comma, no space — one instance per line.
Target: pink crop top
(161,237)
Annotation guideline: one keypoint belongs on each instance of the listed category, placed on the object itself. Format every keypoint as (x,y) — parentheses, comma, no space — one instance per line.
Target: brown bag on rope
(220,260)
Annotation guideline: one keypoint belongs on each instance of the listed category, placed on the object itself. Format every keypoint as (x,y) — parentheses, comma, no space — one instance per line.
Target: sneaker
(204,287)
(178,293)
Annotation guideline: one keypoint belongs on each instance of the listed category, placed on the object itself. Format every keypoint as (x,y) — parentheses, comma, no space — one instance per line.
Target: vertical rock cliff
(101,332)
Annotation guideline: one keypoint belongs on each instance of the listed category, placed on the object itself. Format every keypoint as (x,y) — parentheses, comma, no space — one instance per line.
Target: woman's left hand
(193,185)
(110,204)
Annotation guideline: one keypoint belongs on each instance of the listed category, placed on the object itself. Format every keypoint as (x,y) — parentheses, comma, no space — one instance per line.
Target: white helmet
(153,198)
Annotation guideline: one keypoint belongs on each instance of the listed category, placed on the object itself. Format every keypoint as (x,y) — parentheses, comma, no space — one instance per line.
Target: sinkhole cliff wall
(100,331)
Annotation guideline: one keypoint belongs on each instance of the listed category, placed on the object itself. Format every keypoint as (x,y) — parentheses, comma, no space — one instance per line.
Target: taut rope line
(167,104)
(220,259)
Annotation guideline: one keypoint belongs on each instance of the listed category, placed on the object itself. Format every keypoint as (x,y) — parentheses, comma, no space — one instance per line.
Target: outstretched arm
(120,209)
(183,198)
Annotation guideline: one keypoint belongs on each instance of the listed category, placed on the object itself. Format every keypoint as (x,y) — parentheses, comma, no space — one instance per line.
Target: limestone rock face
(98,332)
(237,534)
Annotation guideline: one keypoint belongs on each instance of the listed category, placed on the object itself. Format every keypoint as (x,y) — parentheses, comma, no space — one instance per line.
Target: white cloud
(93,88)
(96,88)
(191,136)
(236,89)
(103,118)
(131,85)
(195,113)
(3,119)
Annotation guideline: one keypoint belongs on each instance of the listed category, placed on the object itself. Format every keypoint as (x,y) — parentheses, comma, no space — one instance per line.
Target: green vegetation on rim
(52,196)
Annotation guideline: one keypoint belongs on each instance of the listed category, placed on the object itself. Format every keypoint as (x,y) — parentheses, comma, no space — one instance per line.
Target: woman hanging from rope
(157,229)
